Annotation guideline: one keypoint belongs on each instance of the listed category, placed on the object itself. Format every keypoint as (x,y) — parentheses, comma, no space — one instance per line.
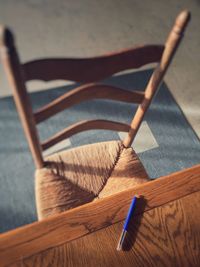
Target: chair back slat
(87,92)
(87,70)
(84,126)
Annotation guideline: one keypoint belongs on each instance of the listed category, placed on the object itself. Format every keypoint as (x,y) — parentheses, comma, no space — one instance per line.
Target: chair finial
(6,37)
(182,20)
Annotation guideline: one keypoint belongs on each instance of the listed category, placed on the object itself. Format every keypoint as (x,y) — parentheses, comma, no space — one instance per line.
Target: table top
(165,236)
(165,230)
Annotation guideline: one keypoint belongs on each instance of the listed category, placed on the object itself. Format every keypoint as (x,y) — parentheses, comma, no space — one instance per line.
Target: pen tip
(119,248)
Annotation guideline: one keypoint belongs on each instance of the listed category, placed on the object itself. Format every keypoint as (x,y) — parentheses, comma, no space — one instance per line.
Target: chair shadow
(60,168)
(134,224)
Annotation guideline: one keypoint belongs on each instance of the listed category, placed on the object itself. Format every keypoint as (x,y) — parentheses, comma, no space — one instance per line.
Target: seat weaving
(127,173)
(80,175)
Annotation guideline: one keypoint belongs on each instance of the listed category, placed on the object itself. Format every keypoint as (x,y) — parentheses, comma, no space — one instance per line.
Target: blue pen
(125,227)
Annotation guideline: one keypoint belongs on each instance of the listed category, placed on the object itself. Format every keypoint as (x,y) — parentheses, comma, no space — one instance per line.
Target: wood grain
(31,239)
(91,69)
(84,126)
(171,46)
(166,236)
(87,92)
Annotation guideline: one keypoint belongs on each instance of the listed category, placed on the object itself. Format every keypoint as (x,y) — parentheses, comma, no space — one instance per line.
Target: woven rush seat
(77,176)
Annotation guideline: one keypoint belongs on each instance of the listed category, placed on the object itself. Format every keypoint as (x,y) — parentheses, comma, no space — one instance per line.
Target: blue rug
(178,146)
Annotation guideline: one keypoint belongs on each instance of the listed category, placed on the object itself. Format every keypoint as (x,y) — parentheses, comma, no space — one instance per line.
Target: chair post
(171,45)
(14,73)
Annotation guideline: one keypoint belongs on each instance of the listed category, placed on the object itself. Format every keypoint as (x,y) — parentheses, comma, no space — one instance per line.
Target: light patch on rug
(60,146)
(144,140)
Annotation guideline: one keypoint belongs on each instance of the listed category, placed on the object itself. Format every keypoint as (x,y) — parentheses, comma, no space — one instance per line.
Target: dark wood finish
(84,126)
(166,236)
(87,92)
(92,69)
(171,46)
(15,77)
(31,239)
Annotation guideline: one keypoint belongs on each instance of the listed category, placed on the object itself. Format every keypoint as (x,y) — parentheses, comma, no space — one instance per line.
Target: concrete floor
(87,28)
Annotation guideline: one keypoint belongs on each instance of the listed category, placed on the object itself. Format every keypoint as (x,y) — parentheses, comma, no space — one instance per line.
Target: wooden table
(165,231)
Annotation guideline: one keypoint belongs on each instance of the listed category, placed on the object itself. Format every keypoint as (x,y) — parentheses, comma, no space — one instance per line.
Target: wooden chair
(71,178)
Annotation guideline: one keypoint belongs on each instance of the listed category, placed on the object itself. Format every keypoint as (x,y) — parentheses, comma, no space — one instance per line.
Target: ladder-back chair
(76,176)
